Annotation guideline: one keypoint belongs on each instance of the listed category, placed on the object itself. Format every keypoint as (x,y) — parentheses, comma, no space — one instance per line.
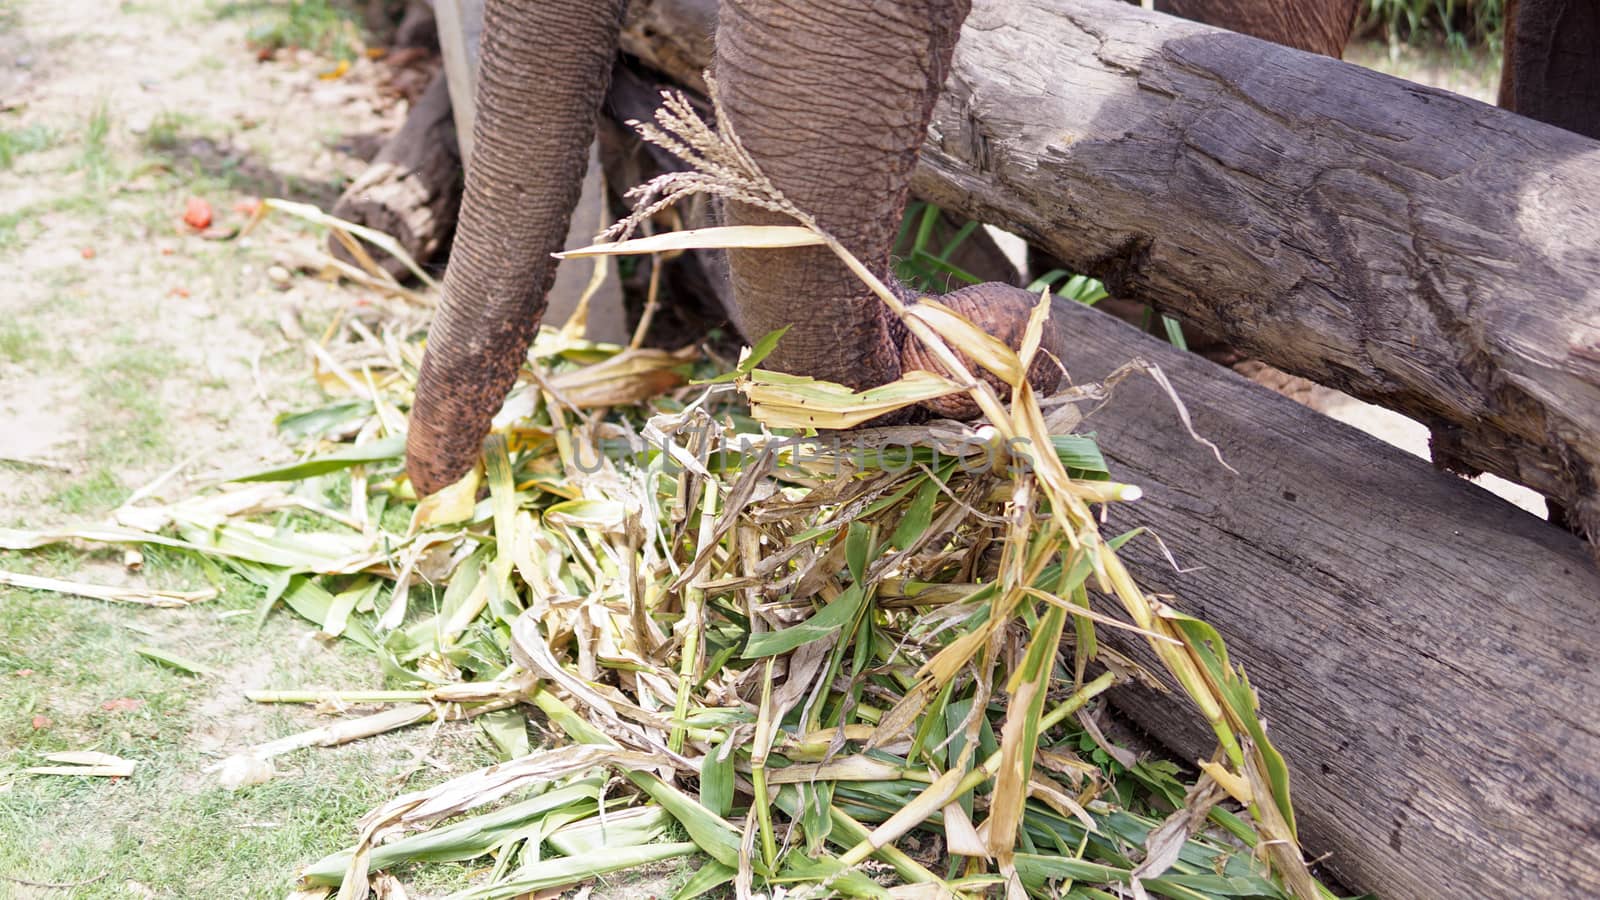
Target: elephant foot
(1003,312)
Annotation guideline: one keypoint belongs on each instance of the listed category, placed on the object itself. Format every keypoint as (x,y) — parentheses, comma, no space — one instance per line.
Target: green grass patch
(166,130)
(98,491)
(95,157)
(171,827)
(1458,24)
(321,26)
(20,342)
(11,228)
(15,142)
(126,417)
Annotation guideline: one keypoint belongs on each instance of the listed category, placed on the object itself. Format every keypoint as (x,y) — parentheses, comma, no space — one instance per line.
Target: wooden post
(460,31)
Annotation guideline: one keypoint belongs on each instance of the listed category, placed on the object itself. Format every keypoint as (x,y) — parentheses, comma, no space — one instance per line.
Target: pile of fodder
(823,663)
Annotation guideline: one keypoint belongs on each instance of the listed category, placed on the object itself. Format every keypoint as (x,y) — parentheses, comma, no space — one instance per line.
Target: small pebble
(244,769)
(279,276)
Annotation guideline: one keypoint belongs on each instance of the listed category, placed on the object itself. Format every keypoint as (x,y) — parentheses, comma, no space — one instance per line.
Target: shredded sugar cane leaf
(313,602)
(463,839)
(315,423)
(710,832)
(635,826)
(826,869)
(506,731)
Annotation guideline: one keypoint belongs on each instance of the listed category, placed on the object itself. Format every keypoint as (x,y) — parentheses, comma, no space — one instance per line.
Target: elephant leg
(543,73)
(1551,70)
(1316,26)
(832,100)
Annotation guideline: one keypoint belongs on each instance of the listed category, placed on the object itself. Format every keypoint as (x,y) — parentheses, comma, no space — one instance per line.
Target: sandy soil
(102,275)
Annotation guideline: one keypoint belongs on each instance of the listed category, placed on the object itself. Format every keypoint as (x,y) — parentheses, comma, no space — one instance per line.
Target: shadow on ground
(243,170)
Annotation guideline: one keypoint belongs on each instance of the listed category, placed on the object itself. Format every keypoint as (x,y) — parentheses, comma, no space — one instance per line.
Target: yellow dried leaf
(724,237)
(959,836)
(601,515)
(630,377)
(449,505)
(788,401)
(1237,787)
(85,762)
(1034,334)
(984,348)
(109,593)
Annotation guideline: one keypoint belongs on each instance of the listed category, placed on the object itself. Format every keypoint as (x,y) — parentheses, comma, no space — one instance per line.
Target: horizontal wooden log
(1424,651)
(1420,250)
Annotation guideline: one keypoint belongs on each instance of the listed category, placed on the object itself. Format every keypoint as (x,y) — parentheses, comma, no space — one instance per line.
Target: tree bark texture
(1423,651)
(1417,249)
(412,190)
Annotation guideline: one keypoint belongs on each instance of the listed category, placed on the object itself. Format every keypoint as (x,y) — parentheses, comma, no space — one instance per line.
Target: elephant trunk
(543,73)
(834,100)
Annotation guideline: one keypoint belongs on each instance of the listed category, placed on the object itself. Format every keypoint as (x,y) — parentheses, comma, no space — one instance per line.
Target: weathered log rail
(1425,650)
(1420,250)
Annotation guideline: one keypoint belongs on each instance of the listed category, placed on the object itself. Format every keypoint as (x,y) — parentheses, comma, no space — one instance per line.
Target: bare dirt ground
(131,344)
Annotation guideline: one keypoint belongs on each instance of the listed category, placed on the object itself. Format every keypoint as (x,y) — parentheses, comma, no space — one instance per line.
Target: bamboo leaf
(1080,452)
(706,879)
(858,543)
(750,358)
(716,780)
(381,450)
(173,661)
(918,516)
(1019,740)
(837,614)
